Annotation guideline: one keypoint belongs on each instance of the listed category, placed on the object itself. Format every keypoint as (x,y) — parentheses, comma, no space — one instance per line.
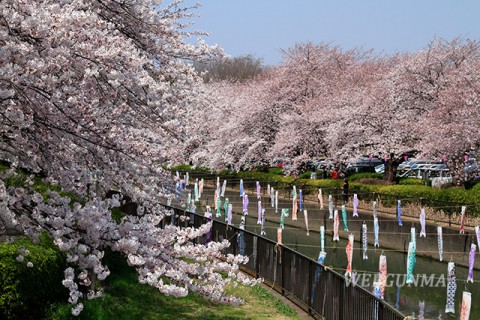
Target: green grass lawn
(127,299)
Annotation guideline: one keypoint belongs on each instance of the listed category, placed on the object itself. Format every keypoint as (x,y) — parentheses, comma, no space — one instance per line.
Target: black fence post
(341,298)
(310,286)
(282,251)
(257,263)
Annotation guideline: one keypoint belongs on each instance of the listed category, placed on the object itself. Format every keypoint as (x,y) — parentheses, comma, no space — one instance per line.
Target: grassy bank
(125,298)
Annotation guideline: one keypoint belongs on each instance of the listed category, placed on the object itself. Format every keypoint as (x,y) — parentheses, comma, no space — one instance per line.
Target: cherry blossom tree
(219,137)
(449,128)
(367,122)
(94,96)
(321,100)
(393,116)
(329,82)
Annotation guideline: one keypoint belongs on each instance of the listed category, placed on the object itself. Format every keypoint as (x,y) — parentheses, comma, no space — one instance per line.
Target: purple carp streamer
(399,212)
(364,241)
(471,262)
(322,238)
(245,204)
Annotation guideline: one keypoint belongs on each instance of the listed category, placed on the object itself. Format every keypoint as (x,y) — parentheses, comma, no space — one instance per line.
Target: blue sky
(263,27)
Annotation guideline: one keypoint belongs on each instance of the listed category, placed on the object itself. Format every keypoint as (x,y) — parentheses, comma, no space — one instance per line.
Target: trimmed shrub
(181,167)
(305,175)
(414,181)
(364,175)
(375,181)
(321,183)
(276,171)
(26,292)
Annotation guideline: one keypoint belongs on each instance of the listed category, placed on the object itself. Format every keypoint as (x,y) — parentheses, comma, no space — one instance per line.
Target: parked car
(380,168)
(364,164)
(324,165)
(279,163)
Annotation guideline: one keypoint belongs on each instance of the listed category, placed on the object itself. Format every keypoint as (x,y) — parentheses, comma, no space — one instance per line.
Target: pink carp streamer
(320,198)
(279,236)
(349,251)
(336,223)
(466,306)
(382,274)
(294,203)
(462,221)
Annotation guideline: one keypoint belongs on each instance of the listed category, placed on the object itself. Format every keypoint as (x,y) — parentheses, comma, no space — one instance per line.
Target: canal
(425,299)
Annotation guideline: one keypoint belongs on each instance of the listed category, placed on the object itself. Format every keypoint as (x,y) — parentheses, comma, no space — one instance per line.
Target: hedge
(364,175)
(414,181)
(26,292)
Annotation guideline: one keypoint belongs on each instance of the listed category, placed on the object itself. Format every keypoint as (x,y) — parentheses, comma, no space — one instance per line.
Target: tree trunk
(390,173)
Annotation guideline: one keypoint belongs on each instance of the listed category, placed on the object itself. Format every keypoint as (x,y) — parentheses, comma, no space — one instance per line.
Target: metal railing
(320,291)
